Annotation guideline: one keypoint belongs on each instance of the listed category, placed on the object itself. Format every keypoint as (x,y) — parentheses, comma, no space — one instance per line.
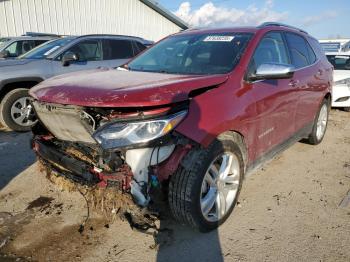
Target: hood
(340,75)
(115,88)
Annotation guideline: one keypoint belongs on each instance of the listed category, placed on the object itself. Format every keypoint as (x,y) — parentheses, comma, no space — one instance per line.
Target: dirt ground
(294,208)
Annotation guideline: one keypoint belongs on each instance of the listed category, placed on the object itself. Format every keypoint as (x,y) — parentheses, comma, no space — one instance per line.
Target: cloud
(311,20)
(211,15)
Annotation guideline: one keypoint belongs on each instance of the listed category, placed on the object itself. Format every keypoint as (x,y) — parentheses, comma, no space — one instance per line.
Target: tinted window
(39,42)
(271,49)
(298,50)
(317,47)
(117,49)
(193,54)
(88,50)
(140,47)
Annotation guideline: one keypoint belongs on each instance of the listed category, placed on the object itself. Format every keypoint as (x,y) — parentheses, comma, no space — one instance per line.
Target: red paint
(251,109)
(123,177)
(168,167)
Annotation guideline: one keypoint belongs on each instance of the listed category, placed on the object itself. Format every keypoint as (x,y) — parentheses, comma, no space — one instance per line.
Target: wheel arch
(239,138)
(11,84)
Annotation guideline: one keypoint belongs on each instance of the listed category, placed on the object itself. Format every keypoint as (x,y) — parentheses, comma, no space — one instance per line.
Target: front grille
(64,122)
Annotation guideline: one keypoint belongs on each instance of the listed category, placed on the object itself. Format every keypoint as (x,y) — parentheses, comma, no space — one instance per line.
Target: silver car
(60,56)
(11,47)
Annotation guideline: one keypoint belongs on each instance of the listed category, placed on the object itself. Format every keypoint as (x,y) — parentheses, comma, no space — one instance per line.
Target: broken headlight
(121,134)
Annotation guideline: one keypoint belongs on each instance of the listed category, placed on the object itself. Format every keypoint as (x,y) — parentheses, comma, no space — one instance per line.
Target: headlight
(122,134)
(343,82)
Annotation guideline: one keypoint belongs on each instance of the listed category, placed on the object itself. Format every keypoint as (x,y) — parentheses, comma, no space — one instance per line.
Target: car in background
(11,47)
(188,117)
(56,57)
(341,85)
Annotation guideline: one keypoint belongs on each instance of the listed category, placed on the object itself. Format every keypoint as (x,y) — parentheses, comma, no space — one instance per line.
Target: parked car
(57,57)
(341,86)
(190,115)
(11,47)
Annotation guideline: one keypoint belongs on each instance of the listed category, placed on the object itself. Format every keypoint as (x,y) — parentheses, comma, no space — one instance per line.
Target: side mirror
(272,71)
(5,54)
(68,58)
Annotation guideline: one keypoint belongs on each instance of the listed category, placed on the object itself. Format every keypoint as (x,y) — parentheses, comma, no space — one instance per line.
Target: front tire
(320,124)
(16,112)
(204,190)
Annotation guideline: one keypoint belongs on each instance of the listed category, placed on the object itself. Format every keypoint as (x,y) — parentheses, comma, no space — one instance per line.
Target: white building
(144,18)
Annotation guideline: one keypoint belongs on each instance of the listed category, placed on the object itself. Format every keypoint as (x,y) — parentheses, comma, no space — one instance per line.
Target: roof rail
(282,25)
(33,34)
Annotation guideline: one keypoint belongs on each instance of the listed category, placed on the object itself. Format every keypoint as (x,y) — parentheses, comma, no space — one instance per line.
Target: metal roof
(166,13)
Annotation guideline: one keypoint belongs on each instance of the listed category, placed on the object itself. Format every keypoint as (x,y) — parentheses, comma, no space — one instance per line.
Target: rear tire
(320,124)
(346,109)
(201,199)
(14,110)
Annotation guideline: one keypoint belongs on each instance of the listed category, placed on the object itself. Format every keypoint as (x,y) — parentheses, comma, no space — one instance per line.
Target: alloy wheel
(220,186)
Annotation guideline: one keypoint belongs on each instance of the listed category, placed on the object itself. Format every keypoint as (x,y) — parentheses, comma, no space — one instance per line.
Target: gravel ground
(294,208)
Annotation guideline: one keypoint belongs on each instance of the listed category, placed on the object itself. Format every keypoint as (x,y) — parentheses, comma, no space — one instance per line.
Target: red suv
(190,115)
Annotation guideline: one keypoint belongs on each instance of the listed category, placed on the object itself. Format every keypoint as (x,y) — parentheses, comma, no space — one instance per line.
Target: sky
(321,18)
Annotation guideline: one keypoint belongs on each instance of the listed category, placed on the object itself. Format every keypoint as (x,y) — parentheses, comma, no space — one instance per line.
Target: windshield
(46,49)
(193,54)
(340,62)
(3,42)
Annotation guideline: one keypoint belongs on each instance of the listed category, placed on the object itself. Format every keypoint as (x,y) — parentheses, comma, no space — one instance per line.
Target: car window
(298,50)
(117,49)
(41,52)
(88,50)
(19,47)
(312,56)
(271,49)
(140,47)
(317,47)
(39,42)
(206,53)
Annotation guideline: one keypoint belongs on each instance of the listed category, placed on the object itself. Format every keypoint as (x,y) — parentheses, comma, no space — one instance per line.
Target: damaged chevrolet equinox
(191,115)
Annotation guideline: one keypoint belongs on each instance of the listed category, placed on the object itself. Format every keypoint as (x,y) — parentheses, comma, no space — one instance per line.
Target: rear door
(117,51)
(275,99)
(308,77)
(90,56)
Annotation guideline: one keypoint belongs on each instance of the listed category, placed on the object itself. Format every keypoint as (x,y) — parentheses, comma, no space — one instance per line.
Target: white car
(341,85)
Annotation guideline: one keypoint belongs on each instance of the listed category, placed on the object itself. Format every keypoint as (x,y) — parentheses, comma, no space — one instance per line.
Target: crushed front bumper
(81,171)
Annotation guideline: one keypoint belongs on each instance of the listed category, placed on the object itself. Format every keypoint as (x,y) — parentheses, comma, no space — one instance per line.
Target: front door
(90,56)
(275,99)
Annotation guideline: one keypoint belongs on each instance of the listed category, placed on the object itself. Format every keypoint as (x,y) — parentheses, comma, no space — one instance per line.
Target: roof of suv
(247,29)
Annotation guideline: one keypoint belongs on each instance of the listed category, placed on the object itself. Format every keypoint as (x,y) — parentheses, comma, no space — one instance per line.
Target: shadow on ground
(15,155)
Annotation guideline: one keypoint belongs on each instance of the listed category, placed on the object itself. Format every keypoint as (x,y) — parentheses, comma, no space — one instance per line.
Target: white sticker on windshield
(218,38)
(52,50)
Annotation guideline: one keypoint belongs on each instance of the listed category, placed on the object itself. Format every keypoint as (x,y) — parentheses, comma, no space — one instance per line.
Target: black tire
(5,110)
(346,109)
(185,185)
(313,139)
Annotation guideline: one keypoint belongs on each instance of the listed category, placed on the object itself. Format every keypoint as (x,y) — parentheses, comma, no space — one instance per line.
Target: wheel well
(11,86)
(239,139)
(328,96)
